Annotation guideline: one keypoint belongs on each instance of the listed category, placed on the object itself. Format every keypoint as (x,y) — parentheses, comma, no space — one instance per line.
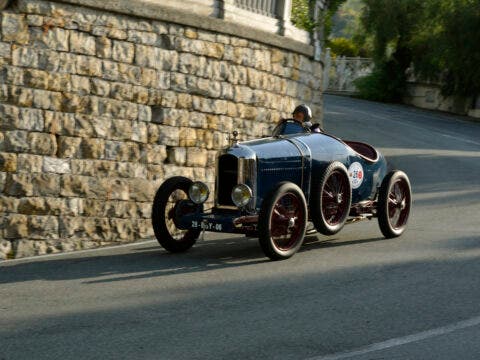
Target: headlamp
(241,195)
(198,192)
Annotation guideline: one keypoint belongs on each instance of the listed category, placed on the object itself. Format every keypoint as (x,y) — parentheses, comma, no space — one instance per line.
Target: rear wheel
(331,199)
(394,204)
(282,221)
(171,202)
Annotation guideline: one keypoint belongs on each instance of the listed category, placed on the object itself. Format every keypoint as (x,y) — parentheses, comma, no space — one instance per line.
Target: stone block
(92,148)
(16,141)
(168,116)
(120,91)
(153,154)
(187,137)
(31,119)
(144,113)
(25,57)
(103,46)
(5,50)
(82,43)
(16,226)
(80,85)
(100,87)
(43,227)
(6,249)
(14,27)
(143,37)
(32,206)
(122,229)
(177,155)
(196,157)
(164,135)
(56,166)
(23,248)
(155,172)
(8,162)
(175,170)
(74,186)
(139,132)
(9,205)
(144,229)
(42,144)
(53,38)
(27,163)
(21,96)
(142,190)
(59,123)
(117,189)
(140,95)
(89,66)
(123,51)
(169,99)
(45,184)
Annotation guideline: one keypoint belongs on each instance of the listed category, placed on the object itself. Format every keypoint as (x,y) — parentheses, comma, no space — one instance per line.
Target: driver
(303,113)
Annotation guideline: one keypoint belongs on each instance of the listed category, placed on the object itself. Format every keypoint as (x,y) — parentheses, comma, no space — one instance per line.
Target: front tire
(331,199)
(166,207)
(394,204)
(282,221)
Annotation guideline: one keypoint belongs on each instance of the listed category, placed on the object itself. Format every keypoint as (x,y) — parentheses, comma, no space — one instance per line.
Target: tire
(164,210)
(394,204)
(282,221)
(331,199)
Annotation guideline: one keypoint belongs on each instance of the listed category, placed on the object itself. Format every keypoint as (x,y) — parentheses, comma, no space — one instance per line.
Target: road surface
(351,296)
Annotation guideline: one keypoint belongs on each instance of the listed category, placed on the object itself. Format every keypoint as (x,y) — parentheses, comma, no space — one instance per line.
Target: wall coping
(153,9)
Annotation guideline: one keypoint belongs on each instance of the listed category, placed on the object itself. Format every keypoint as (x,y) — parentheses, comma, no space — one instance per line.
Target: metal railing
(263,7)
(341,72)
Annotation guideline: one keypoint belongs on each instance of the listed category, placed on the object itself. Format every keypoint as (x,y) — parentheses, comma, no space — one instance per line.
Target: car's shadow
(153,261)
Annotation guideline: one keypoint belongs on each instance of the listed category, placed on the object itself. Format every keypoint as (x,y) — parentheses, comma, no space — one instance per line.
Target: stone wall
(97,108)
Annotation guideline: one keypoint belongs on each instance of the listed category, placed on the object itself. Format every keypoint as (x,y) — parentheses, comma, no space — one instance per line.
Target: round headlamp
(198,192)
(241,195)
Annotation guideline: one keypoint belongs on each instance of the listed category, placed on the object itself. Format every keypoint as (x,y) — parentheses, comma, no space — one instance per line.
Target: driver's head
(302,113)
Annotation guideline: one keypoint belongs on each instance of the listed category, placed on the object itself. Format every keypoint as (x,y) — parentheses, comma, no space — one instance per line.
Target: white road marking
(73,253)
(401,340)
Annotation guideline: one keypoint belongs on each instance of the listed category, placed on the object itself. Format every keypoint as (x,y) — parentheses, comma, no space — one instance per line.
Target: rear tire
(394,204)
(165,212)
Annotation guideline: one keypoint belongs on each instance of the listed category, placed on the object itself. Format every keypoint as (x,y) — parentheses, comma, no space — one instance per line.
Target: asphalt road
(352,296)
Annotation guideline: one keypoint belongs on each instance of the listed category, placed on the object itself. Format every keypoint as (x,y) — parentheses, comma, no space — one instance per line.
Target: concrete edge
(155,11)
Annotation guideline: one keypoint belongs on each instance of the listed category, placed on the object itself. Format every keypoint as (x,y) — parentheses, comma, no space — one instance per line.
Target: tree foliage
(302,15)
(343,47)
(439,37)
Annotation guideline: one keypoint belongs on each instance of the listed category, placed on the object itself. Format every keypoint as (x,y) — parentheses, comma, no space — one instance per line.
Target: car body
(271,188)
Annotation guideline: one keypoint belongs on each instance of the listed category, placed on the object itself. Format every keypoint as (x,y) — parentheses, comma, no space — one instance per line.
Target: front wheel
(282,221)
(394,204)
(171,201)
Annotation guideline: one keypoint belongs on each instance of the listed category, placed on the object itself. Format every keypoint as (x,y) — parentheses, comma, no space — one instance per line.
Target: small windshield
(288,127)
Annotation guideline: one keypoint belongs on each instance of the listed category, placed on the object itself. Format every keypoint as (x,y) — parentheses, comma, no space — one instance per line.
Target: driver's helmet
(305,110)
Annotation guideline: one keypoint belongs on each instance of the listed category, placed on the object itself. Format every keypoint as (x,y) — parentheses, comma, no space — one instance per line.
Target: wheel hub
(291,223)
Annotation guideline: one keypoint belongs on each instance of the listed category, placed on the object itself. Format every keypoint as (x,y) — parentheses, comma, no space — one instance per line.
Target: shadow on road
(155,262)
(219,320)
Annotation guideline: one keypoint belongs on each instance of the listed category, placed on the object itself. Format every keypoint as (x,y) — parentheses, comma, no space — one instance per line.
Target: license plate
(206,225)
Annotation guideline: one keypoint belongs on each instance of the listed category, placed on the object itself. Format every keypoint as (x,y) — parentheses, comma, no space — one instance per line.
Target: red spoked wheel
(170,203)
(282,221)
(331,199)
(394,204)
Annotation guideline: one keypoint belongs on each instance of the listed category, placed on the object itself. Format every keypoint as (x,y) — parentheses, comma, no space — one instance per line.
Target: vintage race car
(272,187)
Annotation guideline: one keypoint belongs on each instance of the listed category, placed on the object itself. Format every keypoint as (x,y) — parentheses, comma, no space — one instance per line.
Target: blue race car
(270,188)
